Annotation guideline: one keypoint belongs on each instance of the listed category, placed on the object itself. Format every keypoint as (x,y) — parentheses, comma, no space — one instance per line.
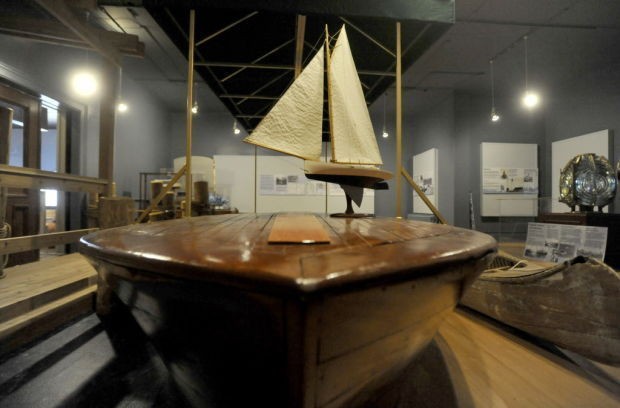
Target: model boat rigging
(295,123)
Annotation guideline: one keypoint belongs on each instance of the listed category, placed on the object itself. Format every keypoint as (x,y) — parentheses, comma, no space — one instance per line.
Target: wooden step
(30,286)
(38,297)
(29,326)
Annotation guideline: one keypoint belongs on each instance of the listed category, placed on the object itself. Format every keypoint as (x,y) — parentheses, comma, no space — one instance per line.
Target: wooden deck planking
(298,229)
(29,280)
(499,370)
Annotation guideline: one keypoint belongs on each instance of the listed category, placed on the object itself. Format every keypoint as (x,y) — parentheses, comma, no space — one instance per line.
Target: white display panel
(425,171)
(202,170)
(564,150)
(280,186)
(521,198)
(232,171)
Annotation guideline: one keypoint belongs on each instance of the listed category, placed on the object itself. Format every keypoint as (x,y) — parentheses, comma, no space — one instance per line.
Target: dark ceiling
(247,57)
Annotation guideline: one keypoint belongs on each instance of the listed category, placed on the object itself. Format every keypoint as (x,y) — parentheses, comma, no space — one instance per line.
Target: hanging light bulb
(84,83)
(494,114)
(195,97)
(236,129)
(530,98)
(384,133)
(122,107)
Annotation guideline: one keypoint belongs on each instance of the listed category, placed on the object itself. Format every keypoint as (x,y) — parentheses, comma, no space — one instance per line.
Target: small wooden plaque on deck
(298,229)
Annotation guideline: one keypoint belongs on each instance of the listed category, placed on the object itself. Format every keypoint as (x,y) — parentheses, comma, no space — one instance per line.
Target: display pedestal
(596,219)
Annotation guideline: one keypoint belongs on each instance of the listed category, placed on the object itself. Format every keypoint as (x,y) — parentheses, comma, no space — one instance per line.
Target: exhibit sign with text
(499,180)
(559,242)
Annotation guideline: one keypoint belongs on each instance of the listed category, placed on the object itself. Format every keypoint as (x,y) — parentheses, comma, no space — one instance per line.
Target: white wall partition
(425,171)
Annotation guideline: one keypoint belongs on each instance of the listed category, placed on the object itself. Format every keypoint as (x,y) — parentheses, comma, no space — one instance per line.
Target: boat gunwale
(250,276)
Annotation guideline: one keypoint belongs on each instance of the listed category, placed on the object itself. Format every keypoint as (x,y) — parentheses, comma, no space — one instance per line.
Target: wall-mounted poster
(425,182)
(499,180)
(286,184)
(509,179)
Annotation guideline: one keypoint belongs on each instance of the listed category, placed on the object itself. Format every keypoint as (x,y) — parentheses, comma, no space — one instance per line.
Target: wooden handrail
(24,177)
(30,242)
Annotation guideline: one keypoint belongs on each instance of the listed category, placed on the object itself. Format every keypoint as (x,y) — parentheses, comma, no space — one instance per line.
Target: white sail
(353,138)
(294,125)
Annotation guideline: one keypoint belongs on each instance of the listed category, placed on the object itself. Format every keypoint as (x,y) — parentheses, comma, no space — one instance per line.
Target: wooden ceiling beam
(52,32)
(61,11)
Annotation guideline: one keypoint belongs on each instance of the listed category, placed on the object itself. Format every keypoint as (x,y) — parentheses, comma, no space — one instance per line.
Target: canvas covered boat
(294,125)
(574,305)
(243,321)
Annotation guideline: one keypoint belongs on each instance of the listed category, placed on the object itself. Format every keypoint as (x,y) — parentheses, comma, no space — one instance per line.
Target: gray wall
(212,133)
(142,134)
(434,128)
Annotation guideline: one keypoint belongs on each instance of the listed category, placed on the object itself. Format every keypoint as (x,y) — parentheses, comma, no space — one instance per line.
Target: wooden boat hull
(348,324)
(574,305)
(347,174)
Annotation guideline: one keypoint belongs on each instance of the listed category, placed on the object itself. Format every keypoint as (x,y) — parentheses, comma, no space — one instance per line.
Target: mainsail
(294,125)
(353,138)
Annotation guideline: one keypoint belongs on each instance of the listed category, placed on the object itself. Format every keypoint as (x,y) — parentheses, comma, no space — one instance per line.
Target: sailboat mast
(329,92)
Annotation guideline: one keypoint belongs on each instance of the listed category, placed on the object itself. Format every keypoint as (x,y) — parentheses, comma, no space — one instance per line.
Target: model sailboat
(295,123)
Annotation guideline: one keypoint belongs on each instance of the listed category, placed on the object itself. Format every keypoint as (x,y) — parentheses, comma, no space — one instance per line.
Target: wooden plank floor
(501,370)
(471,363)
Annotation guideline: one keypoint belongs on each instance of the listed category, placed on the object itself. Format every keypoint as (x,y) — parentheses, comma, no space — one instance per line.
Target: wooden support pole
(399,125)
(107,118)
(423,196)
(188,126)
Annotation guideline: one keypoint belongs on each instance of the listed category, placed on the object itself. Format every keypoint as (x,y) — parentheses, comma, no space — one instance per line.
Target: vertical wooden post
(399,126)
(6,120)
(107,117)
(188,126)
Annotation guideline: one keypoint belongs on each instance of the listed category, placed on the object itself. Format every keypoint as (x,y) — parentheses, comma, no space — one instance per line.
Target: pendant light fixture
(195,104)
(84,81)
(530,98)
(384,133)
(494,114)
(236,129)
(121,106)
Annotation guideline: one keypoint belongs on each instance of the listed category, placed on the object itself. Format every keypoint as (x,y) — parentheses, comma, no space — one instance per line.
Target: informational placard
(498,180)
(282,184)
(505,167)
(559,242)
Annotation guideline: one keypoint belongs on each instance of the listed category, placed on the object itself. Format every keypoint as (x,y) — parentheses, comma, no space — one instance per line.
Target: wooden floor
(471,363)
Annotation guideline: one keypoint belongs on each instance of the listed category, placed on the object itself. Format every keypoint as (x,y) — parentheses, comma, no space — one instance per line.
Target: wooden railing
(30,242)
(22,177)
(29,178)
